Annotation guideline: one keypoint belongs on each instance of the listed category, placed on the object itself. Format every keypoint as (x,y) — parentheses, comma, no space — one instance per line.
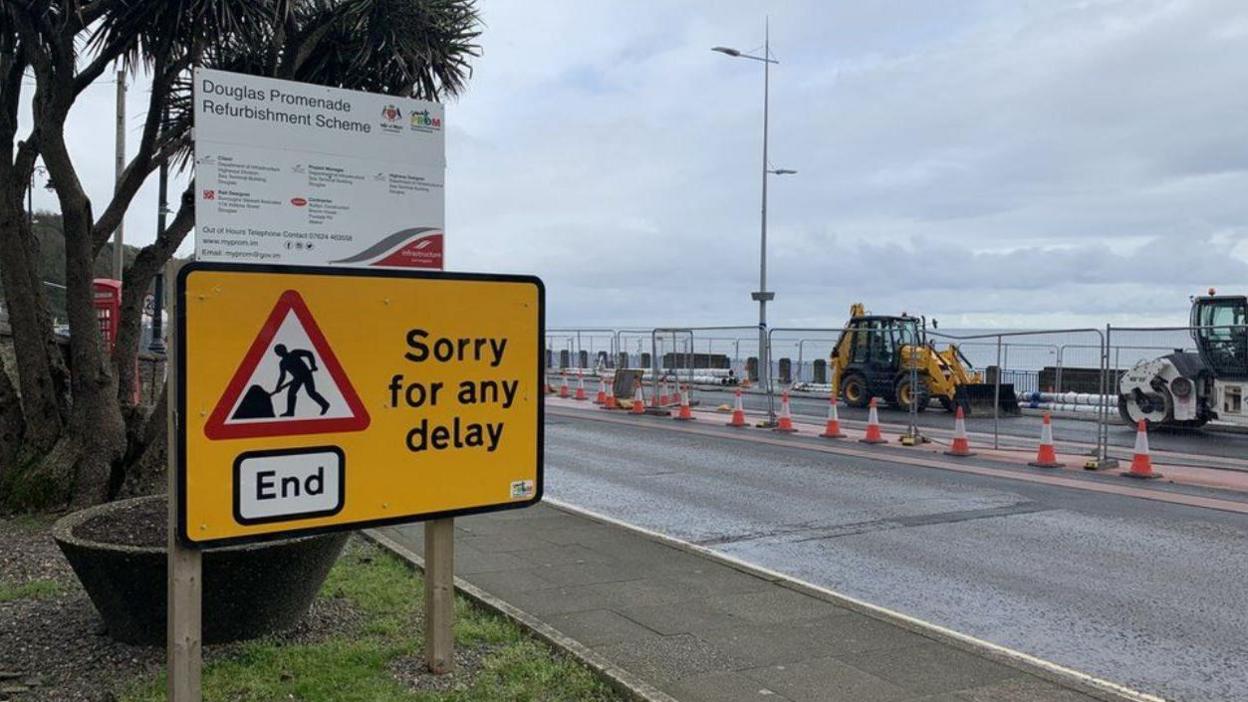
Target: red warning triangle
(289,382)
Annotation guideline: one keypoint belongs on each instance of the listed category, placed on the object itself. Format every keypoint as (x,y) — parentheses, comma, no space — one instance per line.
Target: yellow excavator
(875,355)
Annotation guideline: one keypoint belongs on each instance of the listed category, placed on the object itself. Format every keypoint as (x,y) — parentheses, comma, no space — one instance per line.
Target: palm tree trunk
(40,367)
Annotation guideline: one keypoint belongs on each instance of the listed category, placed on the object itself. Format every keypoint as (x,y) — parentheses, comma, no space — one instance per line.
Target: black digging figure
(300,372)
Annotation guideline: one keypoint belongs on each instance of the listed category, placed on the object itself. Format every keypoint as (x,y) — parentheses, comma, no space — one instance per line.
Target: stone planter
(249,590)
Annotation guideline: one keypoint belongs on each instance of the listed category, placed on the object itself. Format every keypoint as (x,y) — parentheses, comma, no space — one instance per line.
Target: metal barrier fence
(1072,373)
(1024,353)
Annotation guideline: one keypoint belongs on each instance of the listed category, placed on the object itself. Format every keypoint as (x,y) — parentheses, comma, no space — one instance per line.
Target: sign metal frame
(322,439)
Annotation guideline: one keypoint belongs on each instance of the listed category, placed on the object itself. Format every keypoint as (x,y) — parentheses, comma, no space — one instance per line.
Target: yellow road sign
(318,399)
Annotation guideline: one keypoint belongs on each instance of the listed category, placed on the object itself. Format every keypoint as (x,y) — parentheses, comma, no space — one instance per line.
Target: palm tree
(67,431)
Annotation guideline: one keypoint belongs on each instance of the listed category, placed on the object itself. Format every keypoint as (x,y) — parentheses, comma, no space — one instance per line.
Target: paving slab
(723,687)
(827,680)
(599,627)
(931,668)
(697,628)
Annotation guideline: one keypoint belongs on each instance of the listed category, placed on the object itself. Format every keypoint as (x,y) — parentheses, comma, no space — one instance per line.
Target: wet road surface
(1143,593)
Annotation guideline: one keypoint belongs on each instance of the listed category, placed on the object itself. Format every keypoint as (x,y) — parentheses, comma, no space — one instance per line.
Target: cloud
(995,163)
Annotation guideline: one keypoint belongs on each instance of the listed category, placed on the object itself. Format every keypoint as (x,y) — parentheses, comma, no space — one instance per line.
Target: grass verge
(33,590)
(377,655)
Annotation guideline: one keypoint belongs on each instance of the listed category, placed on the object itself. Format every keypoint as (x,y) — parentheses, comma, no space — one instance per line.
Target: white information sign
(289,173)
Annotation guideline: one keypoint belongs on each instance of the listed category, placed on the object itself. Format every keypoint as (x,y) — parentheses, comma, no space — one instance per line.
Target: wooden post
(440,595)
(184,654)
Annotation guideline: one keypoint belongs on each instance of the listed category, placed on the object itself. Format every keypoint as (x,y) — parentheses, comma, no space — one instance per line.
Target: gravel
(54,648)
(411,671)
(141,524)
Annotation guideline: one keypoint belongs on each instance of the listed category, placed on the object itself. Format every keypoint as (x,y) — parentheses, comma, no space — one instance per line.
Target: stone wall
(151,367)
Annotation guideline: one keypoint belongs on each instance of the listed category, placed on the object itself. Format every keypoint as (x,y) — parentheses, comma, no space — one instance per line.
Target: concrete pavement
(689,626)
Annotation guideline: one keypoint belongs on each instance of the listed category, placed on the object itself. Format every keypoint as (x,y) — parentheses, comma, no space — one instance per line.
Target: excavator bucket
(979,399)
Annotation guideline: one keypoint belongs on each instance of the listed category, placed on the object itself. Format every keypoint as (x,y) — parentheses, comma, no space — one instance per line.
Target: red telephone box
(106,296)
(107,300)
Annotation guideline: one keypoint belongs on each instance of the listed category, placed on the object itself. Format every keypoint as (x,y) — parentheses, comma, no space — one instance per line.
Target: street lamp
(157,344)
(763,296)
(30,194)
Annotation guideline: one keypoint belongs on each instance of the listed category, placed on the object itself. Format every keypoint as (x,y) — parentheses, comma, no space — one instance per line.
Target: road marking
(895,456)
(1064,674)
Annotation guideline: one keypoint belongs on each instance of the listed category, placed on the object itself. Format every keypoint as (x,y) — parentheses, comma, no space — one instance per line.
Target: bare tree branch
(149,261)
(142,165)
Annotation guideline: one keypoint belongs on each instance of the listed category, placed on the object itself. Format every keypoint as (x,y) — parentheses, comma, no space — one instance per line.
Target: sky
(993,164)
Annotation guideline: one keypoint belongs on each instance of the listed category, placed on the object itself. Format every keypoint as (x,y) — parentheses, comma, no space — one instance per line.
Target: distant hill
(50,234)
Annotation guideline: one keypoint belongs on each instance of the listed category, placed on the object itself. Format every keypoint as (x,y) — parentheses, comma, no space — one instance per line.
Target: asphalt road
(1027,427)
(1143,593)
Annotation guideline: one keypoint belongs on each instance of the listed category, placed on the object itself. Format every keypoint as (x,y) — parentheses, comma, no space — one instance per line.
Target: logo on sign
(391,113)
(420,247)
(298,201)
(289,382)
(423,121)
(210,194)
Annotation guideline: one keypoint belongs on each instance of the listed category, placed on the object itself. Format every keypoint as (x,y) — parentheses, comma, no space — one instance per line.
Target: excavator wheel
(854,389)
(905,395)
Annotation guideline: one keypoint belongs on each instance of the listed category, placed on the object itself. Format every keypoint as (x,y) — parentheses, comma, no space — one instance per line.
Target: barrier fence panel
(682,348)
(585,345)
(1187,382)
(797,342)
(1029,364)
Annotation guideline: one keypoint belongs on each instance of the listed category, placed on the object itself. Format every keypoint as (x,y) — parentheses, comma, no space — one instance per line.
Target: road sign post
(440,595)
(184,569)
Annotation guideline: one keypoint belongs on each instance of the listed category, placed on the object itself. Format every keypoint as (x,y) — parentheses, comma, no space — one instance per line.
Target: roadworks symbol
(289,382)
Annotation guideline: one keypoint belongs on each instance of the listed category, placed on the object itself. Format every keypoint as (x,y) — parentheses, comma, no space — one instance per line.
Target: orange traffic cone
(1046,456)
(738,412)
(833,430)
(1141,463)
(961,446)
(785,422)
(550,389)
(563,388)
(580,386)
(639,401)
(663,398)
(601,399)
(685,411)
(873,426)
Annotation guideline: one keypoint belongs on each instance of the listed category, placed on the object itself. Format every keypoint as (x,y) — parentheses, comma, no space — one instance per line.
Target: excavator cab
(1220,330)
(874,358)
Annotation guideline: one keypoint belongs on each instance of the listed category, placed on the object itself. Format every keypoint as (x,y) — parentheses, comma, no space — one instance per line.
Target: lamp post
(30,194)
(157,344)
(763,296)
